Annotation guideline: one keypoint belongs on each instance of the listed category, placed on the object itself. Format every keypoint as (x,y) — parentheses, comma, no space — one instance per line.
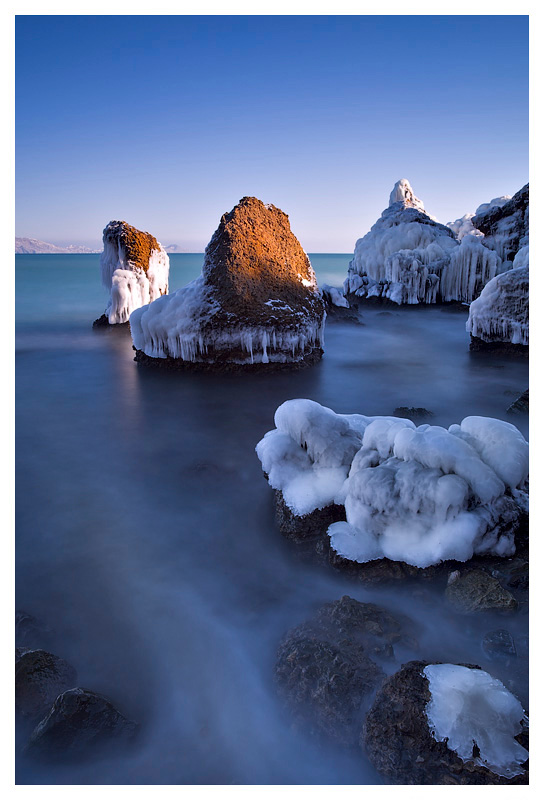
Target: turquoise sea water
(146,537)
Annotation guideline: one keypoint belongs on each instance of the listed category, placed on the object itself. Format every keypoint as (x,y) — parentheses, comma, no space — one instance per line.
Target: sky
(167,121)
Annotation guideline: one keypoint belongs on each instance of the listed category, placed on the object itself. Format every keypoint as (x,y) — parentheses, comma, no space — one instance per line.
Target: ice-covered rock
(446,724)
(505,226)
(134,268)
(256,302)
(464,225)
(409,257)
(417,495)
(500,315)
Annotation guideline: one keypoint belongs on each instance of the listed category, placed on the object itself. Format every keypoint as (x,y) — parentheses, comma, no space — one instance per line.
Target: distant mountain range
(37,246)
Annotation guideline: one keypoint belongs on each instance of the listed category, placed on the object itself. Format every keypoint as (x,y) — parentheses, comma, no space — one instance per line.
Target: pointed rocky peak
(137,245)
(403,193)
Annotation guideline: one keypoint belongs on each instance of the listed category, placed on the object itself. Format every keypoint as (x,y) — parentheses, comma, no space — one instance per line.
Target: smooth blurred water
(146,536)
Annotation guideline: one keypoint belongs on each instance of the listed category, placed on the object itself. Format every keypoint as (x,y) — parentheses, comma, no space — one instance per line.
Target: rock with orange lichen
(256,302)
(134,268)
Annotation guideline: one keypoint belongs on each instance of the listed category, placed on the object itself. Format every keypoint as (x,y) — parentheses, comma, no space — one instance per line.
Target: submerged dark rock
(30,632)
(499,645)
(412,413)
(256,303)
(326,667)
(521,405)
(398,741)
(39,678)
(79,723)
(476,591)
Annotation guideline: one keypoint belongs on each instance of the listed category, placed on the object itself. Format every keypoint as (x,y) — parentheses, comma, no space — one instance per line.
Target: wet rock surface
(80,723)
(327,667)
(415,414)
(478,345)
(476,590)
(398,741)
(39,678)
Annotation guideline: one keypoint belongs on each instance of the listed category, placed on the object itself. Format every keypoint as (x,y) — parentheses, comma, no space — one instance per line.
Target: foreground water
(146,537)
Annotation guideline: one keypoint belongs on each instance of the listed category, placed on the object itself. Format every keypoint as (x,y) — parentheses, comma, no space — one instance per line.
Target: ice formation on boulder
(464,224)
(468,708)
(419,495)
(334,296)
(134,268)
(505,226)
(256,302)
(409,257)
(501,313)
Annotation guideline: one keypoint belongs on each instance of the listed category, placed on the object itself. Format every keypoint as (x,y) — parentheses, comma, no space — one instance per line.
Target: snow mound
(501,312)
(134,268)
(469,707)
(408,257)
(419,495)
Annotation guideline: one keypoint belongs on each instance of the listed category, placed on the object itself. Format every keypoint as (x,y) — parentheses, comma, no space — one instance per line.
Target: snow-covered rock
(435,724)
(418,495)
(505,226)
(500,315)
(469,707)
(464,225)
(409,257)
(256,302)
(134,268)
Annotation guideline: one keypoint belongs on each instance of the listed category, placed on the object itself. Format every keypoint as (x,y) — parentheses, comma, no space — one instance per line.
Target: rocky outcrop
(79,723)
(134,269)
(498,319)
(398,740)
(409,257)
(39,678)
(506,227)
(476,591)
(256,302)
(327,667)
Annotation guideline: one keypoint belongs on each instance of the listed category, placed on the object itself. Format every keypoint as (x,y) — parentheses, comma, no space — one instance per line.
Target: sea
(145,531)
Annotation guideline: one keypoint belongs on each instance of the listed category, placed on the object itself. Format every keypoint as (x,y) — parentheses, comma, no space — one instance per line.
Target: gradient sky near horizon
(167,122)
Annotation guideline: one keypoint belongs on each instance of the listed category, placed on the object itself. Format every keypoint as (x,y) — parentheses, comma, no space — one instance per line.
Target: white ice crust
(410,258)
(176,326)
(469,706)
(501,312)
(131,286)
(420,495)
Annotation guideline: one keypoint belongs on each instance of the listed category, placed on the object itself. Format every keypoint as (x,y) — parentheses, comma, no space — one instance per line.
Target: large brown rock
(398,741)
(256,302)
(476,591)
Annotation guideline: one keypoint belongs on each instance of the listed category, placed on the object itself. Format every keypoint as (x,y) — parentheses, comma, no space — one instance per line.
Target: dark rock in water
(39,678)
(80,723)
(310,526)
(506,227)
(325,667)
(499,645)
(30,632)
(101,322)
(398,741)
(521,405)
(478,345)
(256,303)
(476,590)
(337,306)
(413,413)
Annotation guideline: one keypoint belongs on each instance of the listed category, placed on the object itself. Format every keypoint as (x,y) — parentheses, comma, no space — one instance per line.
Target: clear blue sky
(168,121)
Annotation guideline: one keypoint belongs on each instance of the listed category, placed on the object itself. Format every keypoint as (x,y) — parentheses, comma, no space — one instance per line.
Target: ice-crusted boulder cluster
(256,302)
(420,495)
(443,723)
(134,268)
(500,315)
(409,257)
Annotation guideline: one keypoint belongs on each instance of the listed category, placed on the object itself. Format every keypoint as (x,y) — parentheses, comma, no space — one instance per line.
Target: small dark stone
(521,405)
(499,645)
(413,413)
(79,723)
(476,590)
(39,678)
